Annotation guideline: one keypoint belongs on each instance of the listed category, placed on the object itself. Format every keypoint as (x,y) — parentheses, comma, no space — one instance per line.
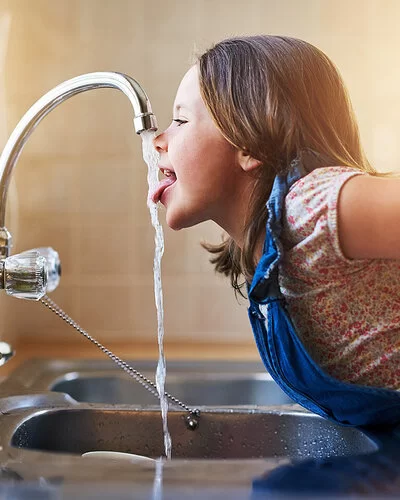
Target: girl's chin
(176,222)
(171,219)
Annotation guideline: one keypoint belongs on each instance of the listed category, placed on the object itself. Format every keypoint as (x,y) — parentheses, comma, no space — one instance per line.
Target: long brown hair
(279,99)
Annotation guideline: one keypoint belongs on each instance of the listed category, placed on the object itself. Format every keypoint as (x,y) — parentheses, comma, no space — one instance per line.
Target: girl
(264,142)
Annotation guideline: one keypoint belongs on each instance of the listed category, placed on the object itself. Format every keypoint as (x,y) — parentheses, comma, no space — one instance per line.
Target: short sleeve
(310,226)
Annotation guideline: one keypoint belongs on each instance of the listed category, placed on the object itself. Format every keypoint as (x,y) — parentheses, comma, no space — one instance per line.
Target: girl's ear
(247,162)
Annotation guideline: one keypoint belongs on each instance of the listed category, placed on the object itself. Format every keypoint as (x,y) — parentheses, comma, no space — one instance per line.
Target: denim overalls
(282,351)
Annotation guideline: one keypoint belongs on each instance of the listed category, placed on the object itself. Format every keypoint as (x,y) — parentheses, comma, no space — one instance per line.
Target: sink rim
(47,375)
(38,373)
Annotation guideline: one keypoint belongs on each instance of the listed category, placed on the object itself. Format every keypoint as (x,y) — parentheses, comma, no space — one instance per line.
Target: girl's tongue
(162,186)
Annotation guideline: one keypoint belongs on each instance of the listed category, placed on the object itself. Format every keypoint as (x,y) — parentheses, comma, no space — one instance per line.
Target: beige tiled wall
(80,184)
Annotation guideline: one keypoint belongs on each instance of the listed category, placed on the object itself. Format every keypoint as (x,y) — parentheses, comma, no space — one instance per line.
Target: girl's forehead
(189,83)
(188,89)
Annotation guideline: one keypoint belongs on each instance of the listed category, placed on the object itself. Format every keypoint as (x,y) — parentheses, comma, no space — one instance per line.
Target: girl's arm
(369,218)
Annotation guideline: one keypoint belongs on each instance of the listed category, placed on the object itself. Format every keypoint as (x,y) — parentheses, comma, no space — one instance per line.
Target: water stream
(151,157)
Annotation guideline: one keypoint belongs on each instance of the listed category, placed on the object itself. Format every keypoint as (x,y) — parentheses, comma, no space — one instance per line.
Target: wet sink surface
(221,434)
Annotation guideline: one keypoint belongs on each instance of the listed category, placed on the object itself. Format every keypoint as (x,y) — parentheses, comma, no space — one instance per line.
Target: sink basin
(199,383)
(207,390)
(229,434)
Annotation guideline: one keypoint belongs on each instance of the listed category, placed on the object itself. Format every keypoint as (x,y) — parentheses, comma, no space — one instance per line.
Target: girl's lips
(162,186)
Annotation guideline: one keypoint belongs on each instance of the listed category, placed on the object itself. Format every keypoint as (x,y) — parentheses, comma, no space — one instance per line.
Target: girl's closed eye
(179,121)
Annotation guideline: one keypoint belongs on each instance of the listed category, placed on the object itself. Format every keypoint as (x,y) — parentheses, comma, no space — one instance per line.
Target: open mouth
(170,178)
(168,173)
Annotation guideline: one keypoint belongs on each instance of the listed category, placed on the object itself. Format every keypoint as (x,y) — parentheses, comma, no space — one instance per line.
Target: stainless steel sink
(43,435)
(229,434)
(201,383)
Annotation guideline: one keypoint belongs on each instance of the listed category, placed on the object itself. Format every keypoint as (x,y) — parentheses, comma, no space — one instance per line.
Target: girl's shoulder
(310,221)
(322,177)
(316,194)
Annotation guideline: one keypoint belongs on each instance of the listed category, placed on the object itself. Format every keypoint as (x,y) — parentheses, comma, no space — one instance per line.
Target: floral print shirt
(347,312)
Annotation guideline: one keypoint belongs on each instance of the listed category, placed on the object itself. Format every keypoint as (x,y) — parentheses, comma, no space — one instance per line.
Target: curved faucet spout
(144,119)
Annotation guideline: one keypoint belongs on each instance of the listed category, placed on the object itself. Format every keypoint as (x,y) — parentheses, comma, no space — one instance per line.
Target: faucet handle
(6,352)
(24,275)
(53,266)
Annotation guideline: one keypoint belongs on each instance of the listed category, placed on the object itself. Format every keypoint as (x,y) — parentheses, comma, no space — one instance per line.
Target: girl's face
(204,179)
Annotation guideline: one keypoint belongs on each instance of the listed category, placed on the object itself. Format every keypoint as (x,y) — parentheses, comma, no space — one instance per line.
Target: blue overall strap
(284,354)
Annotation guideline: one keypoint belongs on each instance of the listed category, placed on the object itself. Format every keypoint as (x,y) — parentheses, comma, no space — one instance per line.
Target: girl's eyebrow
(179,107)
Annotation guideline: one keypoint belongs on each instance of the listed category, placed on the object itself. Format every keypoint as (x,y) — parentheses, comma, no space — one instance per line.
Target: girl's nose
(160,143)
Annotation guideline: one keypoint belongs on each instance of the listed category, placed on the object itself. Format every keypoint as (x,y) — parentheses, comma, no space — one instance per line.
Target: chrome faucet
(36,261)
